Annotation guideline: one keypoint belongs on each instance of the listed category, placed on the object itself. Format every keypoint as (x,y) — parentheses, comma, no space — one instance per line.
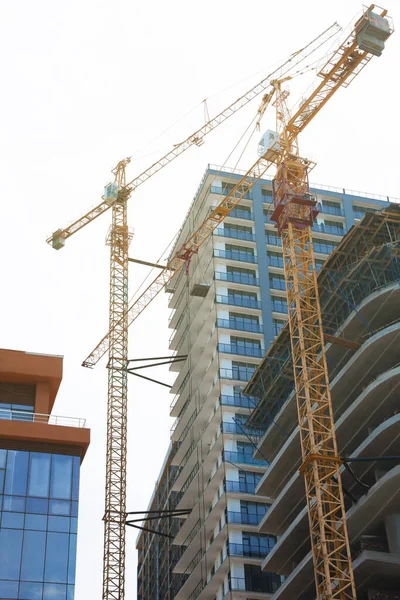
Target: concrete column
(392,524)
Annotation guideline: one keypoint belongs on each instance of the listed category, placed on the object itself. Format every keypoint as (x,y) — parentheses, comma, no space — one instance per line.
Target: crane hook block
(372,32)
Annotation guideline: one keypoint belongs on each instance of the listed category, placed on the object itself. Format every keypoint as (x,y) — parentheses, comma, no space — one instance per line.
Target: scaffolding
(367,258)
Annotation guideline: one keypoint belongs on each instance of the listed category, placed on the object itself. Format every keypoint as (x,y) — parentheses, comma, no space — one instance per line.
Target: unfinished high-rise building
(228,306)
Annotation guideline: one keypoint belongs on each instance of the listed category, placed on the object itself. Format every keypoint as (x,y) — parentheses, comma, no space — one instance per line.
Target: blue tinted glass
(74,509)
(37,522)
(72,559)
(2,472)
(58,524)
(33,555)
(8,589)
(17,470)
(61,476)
(70,592)
(14,503)
(30,591)
(10,554)
(39,474)
(74,525)
(3,458)
(37,505)
(75,480)
(57,557)
(53,591)
(60,507)
(12,520)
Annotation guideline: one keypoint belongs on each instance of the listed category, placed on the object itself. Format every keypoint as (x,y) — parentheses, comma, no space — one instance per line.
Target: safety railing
(34,417)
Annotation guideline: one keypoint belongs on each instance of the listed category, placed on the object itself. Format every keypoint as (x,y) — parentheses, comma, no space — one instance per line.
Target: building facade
(359,289)
(40,458)
(227,308)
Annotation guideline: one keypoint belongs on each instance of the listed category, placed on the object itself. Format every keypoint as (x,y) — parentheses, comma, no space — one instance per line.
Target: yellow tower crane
(294,213)
(116,196)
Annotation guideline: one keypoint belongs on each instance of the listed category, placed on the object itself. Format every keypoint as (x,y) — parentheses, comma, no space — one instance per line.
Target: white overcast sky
(86,83)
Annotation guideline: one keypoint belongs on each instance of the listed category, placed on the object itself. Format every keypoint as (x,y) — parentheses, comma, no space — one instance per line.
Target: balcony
(279,306)
(332,229)
(267,584)
(29,416)
(237,300)
(234,233)
(277,284)
(332,210)
(243,518)
(224,191)
(242,278)
(241,429)
(240,487)
(323,248)
(240,325)
(274,261)
(235,255)
(243,459)
(273,240)
(240,349)
(237,213)
(248,550)
(243,374)
(239,401)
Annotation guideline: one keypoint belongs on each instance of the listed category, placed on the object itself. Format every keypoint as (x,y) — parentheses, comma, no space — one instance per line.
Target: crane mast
(294,214)
(115,487)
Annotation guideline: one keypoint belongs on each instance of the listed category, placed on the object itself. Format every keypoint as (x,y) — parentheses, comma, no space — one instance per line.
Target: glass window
(33,555)
(8,589)
(72,559)
(58,524)
(12,520)
(10,553)
(16,474)
(2,474)
(3,458)
(56,557)
(75,480)
(61,476)
(37,505)
(36,522)
(54,592)
(39,474)
(30,591)
(70,592)
(60,507)
(14,504)
(74,525)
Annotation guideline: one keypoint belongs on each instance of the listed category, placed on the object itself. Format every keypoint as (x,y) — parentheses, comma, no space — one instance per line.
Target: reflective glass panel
(33,555)
(14,503)
(8,589)
(52,591)
(72,559)
(37,505)
(39,474)
(36,522)
(16,474)
(31,591)
(10,553)
(56,557)
(12,520)
(61,476)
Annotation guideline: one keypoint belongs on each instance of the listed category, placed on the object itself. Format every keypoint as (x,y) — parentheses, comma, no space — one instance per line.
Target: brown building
(40,459)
